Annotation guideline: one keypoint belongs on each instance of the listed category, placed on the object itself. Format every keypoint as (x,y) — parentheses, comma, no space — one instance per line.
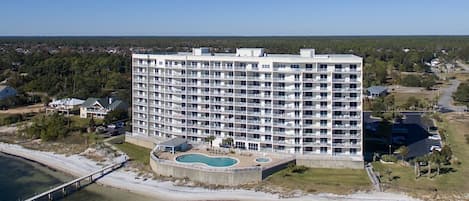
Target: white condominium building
(300,104)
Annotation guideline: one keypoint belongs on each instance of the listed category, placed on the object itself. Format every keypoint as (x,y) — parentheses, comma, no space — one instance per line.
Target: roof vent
(307,53)
(200,51)
(249,52)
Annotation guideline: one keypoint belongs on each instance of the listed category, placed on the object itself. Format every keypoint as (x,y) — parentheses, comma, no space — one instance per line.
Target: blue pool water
(210,161)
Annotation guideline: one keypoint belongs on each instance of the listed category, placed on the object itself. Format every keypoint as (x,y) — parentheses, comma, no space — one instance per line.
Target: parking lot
(412,129)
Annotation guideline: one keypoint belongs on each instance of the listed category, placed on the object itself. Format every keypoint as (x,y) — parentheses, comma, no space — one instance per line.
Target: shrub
(299,169)
(11,119)
(389,158)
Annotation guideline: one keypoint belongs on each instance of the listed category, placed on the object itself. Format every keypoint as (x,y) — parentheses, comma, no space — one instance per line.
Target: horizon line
(273,35)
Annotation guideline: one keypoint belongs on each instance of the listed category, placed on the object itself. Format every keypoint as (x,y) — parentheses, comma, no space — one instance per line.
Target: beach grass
(311,180)
(136,153)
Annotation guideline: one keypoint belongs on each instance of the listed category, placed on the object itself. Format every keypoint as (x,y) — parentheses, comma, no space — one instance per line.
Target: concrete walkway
(373,178)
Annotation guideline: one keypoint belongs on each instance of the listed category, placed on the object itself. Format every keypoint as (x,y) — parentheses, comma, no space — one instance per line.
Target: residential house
(376,91)
(6,92)
(99,107)
(65,105)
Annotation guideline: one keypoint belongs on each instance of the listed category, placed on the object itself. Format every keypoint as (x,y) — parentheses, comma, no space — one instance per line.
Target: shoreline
(128,181)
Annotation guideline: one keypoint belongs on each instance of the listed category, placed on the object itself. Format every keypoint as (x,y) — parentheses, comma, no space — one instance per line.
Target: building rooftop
(107,103)
(257,53)
(174,142)
(67,102)
(377,89)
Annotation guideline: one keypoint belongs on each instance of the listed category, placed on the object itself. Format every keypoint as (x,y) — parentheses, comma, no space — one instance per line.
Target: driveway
(446,99)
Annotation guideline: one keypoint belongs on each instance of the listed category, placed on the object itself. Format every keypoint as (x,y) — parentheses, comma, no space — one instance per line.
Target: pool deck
(245,159)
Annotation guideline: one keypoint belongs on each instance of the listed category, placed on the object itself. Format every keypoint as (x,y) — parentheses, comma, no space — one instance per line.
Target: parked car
(120,124)
(434,137)
(435,147)
(111,126)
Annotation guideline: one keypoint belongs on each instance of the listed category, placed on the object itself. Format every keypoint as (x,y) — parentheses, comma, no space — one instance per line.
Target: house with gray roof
(376,91)
(64,106)
(99,107)
(6,92)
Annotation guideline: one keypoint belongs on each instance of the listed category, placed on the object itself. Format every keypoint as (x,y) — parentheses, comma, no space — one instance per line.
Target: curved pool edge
(204,164)
(263,162)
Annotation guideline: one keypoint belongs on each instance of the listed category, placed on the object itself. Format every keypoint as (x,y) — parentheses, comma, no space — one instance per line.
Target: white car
(435,147)
(434,137)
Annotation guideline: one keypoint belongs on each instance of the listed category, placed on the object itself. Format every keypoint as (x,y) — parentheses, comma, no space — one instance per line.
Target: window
(323,113)
(265,66)
(323,122)
(253,146)
(295,66)
(297,77)
(322,67)
(309,66)
(323,149)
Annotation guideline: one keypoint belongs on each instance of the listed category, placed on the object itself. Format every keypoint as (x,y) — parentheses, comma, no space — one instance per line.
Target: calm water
(20,178)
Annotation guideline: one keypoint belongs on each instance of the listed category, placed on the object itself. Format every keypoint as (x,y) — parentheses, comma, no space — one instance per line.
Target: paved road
(446,99)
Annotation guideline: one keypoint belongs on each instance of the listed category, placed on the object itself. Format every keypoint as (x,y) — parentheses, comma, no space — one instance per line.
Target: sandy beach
(164,190)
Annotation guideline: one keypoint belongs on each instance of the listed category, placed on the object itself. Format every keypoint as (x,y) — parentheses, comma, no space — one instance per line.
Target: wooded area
(81,67)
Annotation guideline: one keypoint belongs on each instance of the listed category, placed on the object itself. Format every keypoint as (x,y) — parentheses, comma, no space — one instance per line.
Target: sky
(233,17)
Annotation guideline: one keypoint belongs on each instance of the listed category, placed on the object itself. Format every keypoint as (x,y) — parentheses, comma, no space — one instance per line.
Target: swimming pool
(207,160)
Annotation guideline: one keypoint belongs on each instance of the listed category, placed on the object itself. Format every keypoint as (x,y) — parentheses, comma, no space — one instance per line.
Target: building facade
(298,104)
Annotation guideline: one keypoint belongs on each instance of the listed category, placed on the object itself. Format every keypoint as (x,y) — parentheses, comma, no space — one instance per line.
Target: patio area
(245,159)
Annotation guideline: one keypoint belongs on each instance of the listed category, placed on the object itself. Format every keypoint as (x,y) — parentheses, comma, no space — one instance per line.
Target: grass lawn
(136,153)
(340,181)
(78,122)
(454,182)
(401,98)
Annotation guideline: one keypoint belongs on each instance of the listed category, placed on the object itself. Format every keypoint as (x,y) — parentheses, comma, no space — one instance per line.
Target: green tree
(48,127)
(447,153)
(378,107)
(403,151)
(437,158)
(116,115)
(210,139)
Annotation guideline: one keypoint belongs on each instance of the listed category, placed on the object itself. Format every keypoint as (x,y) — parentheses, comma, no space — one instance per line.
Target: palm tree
(228,141)
(437,158)
(417,162)
(210,139)
(403,151)
(428,158)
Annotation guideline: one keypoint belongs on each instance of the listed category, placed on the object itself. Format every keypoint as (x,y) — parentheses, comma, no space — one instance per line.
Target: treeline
(73,73)
(69,74)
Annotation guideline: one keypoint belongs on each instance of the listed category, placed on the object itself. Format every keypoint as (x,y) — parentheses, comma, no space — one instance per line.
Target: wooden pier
(72,186)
